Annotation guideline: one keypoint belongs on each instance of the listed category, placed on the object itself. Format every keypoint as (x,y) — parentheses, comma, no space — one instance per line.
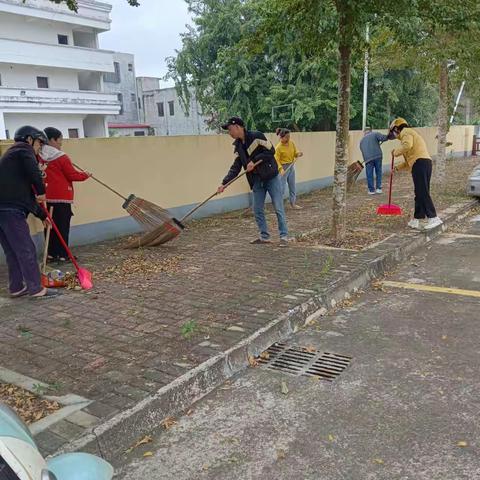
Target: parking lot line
(432,288)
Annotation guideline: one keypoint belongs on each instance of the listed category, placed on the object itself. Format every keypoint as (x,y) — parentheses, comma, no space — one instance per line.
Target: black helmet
(26,131)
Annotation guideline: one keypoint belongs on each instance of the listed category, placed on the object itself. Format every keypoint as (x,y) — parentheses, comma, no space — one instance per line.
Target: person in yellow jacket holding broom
(286,154)
(417,160)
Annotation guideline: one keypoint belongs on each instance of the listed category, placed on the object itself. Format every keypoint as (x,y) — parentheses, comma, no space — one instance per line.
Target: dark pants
(422,173)
(62,214)
(19,251)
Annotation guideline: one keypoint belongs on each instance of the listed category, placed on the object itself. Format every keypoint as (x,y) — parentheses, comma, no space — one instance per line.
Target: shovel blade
(85,278)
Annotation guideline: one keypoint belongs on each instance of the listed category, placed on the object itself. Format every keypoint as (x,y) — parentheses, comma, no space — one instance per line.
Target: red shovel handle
(391,181)
(60,237)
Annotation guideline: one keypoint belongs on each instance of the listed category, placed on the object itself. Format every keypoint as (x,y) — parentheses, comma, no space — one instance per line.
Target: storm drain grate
(301,361)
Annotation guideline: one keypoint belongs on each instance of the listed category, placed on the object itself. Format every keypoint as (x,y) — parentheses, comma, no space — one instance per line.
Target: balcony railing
(33,99)
(60,56)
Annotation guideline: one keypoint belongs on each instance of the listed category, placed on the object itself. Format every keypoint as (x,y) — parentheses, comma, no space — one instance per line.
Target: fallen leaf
(444,337)
(190,412)
(205,467)
(331,438)
(378,461)
(310,349)
(265,355)
(284,388)
(168,423)
(462,443)
(143,441)
(252,361)
(148,454)
(281,454)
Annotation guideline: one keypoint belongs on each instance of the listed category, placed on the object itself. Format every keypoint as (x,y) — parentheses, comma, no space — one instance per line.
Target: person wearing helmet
(417,160)
(20,177)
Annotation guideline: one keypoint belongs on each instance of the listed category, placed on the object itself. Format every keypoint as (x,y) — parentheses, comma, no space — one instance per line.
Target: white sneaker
(415,224)
(379,190)
(371,193)
(432,223)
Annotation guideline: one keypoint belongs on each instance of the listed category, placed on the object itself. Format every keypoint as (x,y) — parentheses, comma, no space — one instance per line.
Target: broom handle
(193,210)
(47,241)
(101,183)
(391,182)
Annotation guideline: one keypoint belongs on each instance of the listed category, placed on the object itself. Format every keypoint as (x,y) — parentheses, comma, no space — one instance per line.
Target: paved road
(406,408)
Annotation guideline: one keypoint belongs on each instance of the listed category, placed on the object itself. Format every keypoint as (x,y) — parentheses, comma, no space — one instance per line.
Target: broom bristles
(148,215)
(161,234)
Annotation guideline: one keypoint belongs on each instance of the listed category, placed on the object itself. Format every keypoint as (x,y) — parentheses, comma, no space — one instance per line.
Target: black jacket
(19,171)
(255,148)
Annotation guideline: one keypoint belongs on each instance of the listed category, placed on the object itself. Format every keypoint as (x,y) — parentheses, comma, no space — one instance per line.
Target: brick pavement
(203,293)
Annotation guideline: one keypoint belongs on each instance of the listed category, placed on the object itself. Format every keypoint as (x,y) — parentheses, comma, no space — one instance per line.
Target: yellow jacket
(285,154)
(413,147)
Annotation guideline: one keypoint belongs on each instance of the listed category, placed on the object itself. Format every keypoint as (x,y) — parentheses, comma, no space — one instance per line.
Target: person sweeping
(21,191)
(255,154)
(372,158)
(60,175)
(286,154)
(417,160)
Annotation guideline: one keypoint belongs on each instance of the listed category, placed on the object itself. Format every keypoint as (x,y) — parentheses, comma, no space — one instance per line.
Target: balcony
(60,56)
(90,13)
(16,100)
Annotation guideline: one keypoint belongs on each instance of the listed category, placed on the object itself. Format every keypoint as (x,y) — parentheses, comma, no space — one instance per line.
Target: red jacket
(59,175)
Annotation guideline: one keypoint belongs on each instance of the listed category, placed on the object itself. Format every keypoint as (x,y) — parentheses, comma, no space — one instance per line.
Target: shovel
(84,276)
(389,208)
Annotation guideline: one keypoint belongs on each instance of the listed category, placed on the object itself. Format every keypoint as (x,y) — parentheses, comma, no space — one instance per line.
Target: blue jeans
(275,189)
(372,165)
(20,252)
(289,178)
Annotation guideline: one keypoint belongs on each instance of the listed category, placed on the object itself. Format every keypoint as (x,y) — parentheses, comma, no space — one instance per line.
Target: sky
(151,32)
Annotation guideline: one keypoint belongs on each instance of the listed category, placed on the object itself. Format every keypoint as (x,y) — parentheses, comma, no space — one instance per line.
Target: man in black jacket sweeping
(256,155)
(19,172)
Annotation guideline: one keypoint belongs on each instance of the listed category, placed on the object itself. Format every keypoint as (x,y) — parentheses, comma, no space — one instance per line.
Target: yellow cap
(397,122)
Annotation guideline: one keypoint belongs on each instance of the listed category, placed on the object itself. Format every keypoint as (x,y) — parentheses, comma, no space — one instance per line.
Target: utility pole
(365,82)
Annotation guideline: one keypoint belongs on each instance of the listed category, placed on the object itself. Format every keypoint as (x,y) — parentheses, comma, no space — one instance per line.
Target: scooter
(21,460)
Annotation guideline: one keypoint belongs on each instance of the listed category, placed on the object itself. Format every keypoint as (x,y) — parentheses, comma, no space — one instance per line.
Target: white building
(122,83)
(51,69)
(162,110)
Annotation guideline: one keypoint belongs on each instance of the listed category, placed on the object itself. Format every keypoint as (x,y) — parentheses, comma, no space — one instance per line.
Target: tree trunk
(341,142)
(442,123)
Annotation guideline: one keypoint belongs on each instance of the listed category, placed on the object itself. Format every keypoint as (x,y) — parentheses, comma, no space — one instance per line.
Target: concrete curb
(113,436)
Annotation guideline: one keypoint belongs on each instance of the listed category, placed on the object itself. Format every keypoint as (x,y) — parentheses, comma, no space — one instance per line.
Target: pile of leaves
(27,405)
(140,266)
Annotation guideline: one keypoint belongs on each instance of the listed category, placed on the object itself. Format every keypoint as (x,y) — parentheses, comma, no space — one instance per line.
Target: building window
(62,39)
(161,110)
(113,77)
(73,133)
(139,133)
(130,67)
(7,134)
(120,99)
(133,97)
(171,108)
(42,82)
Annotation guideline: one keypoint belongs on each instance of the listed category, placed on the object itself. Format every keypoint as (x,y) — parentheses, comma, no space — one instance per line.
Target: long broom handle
(102,183)
(391,181)
(193,210)
(47,241)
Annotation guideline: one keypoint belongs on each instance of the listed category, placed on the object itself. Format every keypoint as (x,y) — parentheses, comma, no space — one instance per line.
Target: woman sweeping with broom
(418,161)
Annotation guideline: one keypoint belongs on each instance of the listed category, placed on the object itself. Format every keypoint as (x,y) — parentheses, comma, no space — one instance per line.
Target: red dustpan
(389,208)
(84,276)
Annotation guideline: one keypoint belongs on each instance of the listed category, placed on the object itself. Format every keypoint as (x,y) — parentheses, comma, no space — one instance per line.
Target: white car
(473,187)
